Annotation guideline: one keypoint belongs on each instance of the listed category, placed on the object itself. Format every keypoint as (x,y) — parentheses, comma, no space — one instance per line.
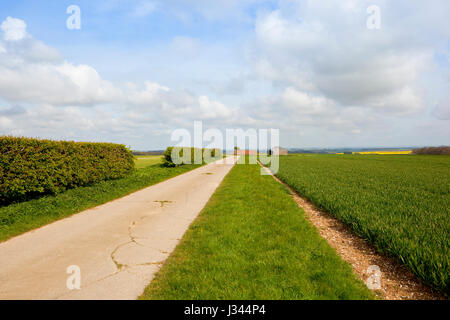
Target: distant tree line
(432,150)
(148,153)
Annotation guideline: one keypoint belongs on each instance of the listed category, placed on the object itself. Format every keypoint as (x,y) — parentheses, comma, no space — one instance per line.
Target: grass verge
(22,217)
(252,241)
(401,204)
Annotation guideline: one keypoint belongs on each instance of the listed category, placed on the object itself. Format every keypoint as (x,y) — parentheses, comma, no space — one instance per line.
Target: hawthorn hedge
(206,155)
(34,167)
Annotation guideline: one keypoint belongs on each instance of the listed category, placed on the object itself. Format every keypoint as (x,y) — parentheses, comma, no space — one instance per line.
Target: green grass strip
(252,241)
(22,217)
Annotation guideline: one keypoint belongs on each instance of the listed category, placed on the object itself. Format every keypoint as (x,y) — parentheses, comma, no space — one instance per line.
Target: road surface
(114,250)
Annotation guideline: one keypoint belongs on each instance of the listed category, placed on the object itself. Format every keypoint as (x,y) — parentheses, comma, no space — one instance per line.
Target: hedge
(206,155)
(34,167)
(443,150)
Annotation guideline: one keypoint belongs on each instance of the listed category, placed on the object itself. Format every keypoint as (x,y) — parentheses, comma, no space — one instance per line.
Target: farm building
(240,152)
(278,151)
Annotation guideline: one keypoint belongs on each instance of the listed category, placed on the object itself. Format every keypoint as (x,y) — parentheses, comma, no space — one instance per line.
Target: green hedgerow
(33,167)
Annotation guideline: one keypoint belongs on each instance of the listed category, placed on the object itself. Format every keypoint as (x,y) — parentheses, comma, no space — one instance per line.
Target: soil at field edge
(396,283)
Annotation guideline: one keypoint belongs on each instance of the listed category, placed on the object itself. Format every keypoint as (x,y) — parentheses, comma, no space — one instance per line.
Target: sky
(319,71)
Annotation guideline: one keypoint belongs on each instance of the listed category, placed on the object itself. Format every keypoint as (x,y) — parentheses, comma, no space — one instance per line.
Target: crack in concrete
(122,267)
(118,265)
(162,202)
(146,246)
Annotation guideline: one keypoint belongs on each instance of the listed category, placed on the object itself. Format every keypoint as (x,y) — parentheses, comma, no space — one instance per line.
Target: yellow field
(382,152)
(386,152)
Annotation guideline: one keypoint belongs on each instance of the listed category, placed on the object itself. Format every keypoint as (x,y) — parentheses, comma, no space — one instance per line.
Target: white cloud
(403,101)
(14,29)
(329,71)
(61,84)
(211,109)
(149,95)
(31,71)
(70,101)
(5,124)
(442,110)
(169,104)
(308,67)
(89,87)
(305,104)
(307,55)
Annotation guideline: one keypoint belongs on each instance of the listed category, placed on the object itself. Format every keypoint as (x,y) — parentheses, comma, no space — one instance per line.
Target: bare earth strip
(118,246)
(397,283)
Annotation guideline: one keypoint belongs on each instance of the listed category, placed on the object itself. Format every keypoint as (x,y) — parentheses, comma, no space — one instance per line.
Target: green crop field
(401,204)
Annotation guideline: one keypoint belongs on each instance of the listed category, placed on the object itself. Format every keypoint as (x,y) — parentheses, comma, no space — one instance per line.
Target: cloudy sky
(136,70)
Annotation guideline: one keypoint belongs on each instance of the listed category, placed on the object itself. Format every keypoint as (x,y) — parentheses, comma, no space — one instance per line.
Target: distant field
(145,161)
(399,203)
(252,241)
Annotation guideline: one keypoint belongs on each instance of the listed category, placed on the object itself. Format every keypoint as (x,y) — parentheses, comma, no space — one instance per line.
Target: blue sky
(137,70)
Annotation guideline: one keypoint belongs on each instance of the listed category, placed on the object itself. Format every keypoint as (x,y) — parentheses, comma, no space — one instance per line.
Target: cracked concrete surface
(119,246)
